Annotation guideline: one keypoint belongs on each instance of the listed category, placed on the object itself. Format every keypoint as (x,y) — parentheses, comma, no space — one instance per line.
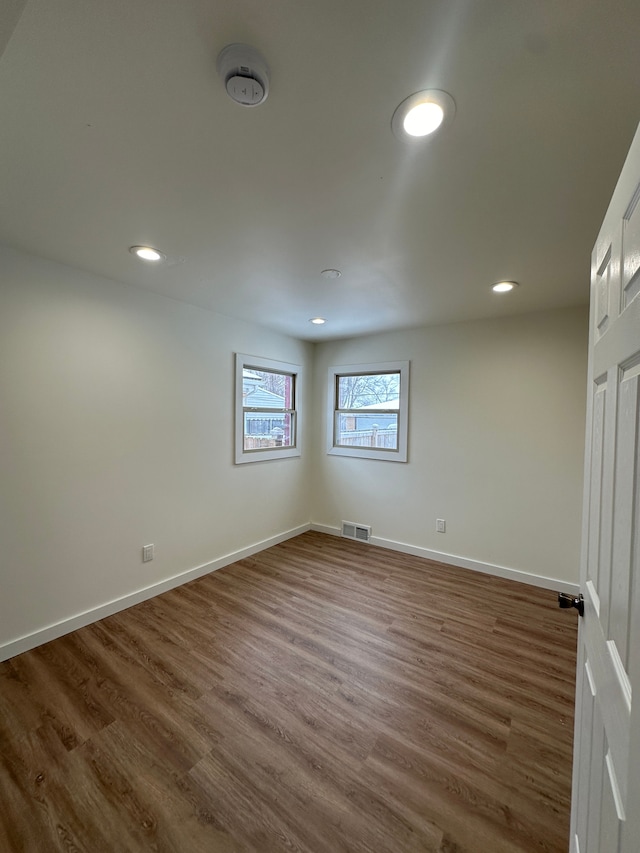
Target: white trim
(65,626)
(399,455)
(241,455)
(464,562)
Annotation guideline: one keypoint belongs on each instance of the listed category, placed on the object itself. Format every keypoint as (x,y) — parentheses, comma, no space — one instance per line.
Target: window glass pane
(367,429)
(368,410)
(268,429)
(369,390)
(266,415)
(267,389)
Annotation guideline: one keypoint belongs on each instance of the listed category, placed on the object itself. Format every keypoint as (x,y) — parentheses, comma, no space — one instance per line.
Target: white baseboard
(65,626)
(464,562)
(59,629)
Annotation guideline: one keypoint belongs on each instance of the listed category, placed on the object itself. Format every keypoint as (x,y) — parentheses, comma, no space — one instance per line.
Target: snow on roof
(390,404)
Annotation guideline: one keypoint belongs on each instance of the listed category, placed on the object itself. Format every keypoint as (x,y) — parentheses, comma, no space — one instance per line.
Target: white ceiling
(116,130)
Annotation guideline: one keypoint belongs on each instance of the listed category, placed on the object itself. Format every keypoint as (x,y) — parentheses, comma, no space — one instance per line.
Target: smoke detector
(244,73)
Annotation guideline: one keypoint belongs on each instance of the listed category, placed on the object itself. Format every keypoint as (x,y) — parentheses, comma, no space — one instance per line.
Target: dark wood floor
(321,696)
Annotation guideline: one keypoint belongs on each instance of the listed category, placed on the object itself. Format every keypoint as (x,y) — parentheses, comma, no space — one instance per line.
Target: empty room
(319,426)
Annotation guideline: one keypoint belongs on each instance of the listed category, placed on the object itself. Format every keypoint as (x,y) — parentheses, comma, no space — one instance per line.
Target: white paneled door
(606,781)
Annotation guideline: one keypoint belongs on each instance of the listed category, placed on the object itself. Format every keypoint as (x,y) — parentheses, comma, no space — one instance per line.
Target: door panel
(609,821)
(582,783)
(625,498)
(631,250)
(606,791)
(597,454)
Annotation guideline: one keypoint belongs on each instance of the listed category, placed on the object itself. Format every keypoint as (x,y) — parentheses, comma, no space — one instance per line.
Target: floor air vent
(361,532)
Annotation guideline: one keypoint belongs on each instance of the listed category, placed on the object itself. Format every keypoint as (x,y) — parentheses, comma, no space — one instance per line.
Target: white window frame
(267,453)
(401,367)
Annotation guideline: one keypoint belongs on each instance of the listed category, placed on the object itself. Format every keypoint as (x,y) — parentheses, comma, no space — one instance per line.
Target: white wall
(496,443)
(116,430)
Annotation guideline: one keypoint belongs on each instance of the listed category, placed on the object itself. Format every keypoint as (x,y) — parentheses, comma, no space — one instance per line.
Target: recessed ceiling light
(330,273)
(423,119)
(422,114)
(504,286)
(318,321)
(147,253)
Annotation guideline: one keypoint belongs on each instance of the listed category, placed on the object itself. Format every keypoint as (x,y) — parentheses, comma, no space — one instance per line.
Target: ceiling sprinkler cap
(244,73)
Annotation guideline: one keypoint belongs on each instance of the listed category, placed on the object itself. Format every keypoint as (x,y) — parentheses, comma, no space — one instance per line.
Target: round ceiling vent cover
(244,73)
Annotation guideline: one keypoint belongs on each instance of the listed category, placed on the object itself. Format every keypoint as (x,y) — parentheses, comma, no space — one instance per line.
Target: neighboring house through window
(267,420)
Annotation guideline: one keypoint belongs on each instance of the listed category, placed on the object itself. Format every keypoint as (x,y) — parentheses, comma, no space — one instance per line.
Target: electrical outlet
(441,525)
(147,553)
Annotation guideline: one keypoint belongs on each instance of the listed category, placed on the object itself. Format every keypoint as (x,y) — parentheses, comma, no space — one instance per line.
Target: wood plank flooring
(322,696)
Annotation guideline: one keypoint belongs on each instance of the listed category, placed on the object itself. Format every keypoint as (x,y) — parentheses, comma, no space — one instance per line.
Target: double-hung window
(368,410)
(267,422)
